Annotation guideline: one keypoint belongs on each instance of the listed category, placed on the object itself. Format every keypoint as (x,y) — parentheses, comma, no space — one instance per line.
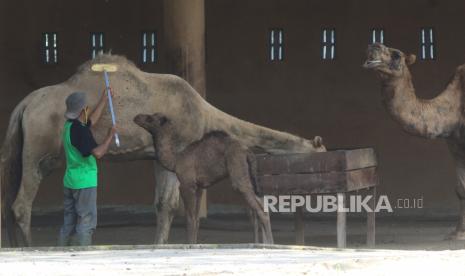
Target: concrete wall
(337,99)
(303,94)
(22,71)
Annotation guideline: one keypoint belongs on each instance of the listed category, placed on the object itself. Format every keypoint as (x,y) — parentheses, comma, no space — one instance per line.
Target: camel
(440,117)
(32,147)
(204,163)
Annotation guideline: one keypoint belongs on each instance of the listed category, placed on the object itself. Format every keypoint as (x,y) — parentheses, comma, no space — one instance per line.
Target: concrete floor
(404,246)
(244,259)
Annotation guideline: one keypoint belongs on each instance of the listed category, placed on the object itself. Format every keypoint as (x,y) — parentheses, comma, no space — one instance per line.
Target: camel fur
(440,117)
(32,147)
(202,164)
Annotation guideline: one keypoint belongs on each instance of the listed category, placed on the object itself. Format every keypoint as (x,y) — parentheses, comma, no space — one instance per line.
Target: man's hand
(113,130)
(97,112)
(105,94)
(100,151)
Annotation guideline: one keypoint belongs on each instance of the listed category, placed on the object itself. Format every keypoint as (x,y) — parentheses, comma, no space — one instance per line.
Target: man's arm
(102,149)
(97,112)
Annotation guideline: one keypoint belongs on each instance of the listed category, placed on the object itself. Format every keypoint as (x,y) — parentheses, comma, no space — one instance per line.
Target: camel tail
(11,169)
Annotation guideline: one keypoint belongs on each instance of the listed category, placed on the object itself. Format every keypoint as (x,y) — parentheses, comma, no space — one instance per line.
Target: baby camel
(203,163)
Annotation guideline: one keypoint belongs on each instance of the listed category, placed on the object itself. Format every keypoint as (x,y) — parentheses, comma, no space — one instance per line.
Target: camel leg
(459,233)
(253,219)
(267,221)
(198,201)
(8,219)
(257,229)
(11,226)
(264,218)
(189,197)
(37,163)
(166,201)
(22,206)
(242,181)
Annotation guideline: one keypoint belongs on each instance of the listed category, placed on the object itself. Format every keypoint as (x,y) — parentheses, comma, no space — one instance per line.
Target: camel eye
(163,120)
(395,55)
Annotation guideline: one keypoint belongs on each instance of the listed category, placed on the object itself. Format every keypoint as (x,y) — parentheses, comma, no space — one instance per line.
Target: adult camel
(32,147)
(440,117)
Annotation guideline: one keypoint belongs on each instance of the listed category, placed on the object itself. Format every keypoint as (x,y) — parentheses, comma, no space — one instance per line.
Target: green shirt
(81,172)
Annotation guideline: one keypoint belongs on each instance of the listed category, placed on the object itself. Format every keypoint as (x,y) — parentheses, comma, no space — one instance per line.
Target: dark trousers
(80,216)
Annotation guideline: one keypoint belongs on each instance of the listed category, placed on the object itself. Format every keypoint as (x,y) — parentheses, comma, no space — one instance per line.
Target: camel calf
(203,163)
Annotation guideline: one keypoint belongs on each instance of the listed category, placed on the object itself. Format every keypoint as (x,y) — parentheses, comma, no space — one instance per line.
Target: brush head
(108,67)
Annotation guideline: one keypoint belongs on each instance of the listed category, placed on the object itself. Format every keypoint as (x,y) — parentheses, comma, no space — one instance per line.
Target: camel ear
(317,141)
(410,59)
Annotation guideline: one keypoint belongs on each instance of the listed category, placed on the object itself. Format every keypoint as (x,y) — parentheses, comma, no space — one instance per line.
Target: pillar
(184,47)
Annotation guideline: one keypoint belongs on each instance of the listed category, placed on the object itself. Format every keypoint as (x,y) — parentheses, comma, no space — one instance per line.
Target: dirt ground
(138,229)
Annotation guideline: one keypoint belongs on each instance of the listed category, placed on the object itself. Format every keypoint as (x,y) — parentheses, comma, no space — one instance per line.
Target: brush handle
(110,104)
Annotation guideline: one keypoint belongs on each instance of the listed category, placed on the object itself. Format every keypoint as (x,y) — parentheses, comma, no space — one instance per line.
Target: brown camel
(441,117)
(202,164)
(32,147)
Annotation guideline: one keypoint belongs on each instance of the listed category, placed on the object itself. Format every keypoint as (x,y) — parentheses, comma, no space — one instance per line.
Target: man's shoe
(63,241)
(84,239)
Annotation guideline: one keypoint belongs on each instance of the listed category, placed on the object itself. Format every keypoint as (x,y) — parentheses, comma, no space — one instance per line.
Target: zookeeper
(80,180)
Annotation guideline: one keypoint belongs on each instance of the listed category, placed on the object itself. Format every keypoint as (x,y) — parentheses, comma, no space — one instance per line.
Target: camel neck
(432,118)
(165,151)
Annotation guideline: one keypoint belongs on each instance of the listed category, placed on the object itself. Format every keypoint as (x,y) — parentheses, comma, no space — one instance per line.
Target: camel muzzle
(141,120)
(373,56)
(371,63)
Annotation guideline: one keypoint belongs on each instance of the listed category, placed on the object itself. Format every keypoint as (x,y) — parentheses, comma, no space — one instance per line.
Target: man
(80,180)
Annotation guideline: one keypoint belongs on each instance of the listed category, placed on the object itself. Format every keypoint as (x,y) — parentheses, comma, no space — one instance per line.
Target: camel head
(152,123)
(387,62)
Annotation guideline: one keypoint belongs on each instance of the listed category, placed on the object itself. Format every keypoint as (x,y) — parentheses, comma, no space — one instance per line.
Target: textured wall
(336,99)
(22,71)
(303,94)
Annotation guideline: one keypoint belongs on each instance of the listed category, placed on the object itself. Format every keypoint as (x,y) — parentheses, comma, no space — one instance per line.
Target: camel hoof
(456,236)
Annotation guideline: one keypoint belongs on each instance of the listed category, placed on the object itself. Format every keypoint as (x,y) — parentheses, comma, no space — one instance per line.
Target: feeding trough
(334,172)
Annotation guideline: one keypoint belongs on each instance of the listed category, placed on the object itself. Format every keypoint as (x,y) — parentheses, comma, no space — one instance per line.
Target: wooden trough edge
(318,183)
(337,160)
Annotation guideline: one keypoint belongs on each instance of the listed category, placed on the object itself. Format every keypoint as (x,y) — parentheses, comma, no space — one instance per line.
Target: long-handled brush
(105,68)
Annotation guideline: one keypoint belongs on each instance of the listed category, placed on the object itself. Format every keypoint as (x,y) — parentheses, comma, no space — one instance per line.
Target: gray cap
(75,103)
